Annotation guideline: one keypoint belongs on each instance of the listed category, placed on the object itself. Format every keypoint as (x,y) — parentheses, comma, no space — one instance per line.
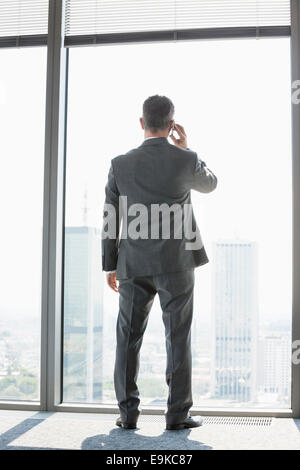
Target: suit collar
(155,141)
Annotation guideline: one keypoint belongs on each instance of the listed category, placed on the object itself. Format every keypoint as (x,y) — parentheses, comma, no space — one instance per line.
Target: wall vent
(238,420)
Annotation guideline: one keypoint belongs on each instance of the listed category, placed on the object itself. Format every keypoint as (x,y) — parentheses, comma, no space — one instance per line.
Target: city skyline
(83,374)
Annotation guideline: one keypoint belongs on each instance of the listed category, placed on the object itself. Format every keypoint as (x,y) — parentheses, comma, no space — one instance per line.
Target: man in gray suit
(148,191)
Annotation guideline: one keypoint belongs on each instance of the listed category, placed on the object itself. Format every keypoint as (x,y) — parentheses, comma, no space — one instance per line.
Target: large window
(22,122)
(233,98)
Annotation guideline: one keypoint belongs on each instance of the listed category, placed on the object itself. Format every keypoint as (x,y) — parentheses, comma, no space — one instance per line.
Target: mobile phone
(172,129)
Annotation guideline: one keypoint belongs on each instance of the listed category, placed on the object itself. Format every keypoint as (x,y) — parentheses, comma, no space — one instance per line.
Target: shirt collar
(155,141)
(152,138)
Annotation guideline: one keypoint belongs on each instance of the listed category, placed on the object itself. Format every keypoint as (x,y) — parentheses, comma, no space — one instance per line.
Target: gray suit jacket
(156,172)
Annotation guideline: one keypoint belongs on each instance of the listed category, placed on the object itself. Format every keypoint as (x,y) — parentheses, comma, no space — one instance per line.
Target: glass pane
(233,98)
(22,123)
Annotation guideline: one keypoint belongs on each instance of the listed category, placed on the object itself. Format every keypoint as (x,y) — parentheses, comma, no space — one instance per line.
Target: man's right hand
(182,141)
(111,280)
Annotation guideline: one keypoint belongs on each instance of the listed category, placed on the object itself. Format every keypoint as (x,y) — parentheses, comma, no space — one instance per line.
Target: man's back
(146,179)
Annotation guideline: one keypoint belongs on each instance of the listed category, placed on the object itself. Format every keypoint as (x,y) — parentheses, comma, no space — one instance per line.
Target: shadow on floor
(21,428)
(124,439)
(117,439)
(297,423)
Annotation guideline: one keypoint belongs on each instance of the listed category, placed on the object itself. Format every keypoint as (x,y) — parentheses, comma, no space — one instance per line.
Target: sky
(233,99)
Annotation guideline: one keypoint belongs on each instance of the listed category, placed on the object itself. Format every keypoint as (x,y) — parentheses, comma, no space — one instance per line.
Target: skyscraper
(235,321)
(274,369)
(83,315)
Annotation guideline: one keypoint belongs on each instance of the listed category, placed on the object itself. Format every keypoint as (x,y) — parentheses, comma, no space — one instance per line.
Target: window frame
(54,205)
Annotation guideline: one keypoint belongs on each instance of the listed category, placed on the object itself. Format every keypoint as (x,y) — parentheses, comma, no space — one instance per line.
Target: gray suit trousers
(136,297)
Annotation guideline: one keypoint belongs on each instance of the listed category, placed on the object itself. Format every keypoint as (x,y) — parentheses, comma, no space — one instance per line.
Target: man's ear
(142,123)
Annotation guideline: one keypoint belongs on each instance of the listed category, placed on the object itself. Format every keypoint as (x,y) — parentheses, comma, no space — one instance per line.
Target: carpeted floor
(37,430)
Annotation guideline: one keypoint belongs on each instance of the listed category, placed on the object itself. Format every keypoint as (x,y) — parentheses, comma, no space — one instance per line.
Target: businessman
(148,193)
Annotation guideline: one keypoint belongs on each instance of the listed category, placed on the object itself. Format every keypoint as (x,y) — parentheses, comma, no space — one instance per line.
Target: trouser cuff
(176,418)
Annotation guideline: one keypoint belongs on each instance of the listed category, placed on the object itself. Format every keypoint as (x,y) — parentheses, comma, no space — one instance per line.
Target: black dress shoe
(189,422)
(121,424)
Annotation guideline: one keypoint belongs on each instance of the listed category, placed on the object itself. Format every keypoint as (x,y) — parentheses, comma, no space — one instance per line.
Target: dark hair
(158,112)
